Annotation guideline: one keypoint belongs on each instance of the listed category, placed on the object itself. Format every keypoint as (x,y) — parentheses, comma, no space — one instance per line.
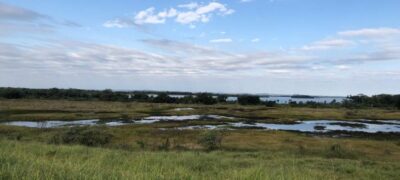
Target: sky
(330,47)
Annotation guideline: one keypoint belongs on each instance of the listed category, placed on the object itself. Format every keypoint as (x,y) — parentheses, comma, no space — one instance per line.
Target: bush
(205,98)
(249,100)
(164,98)
(337,151)
(141,144)
(82,135)
(11,93)
(270,103)
(210,140)
(165,146)
(222,98)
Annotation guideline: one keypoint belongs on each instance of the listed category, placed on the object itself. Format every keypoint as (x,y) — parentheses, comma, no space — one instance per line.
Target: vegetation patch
(319,128)
(82,135)
(210,140)
(338,151)
(352,125)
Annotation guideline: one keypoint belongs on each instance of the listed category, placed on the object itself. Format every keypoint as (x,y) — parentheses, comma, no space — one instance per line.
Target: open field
(148,152)
(69,110)
(244,155)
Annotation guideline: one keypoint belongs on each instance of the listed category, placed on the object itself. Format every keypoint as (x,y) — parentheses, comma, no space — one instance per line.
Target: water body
(277,99)
(183,109)
(367,126)
(328,125)
(92,122)
(288,99)
(48,124)
(153,119)
(307,126)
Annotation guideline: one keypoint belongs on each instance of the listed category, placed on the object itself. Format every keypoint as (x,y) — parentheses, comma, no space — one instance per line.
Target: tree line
(381,100)
(109,95)
(358,101)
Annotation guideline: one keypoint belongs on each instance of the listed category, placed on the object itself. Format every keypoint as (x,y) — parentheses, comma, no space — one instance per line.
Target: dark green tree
(249,100)
(205,98)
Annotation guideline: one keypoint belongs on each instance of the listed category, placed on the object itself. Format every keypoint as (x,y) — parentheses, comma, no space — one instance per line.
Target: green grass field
(27,160)
(140,151)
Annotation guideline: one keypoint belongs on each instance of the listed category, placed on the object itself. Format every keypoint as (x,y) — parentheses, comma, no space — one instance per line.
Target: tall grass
(30,160)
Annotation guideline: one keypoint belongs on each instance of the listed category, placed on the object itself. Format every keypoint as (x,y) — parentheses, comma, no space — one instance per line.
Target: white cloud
(117,23)
(149,17)
(190,17)
(255,40)
(328,44)
(187,14)
(192,26)
(224,40)
(246,1)
(342,67)
(202,13)
(213,6)
(190,6)
(371,32)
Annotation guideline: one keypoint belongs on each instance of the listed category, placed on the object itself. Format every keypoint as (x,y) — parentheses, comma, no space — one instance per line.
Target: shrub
(141,144)
(337,151)
(205,98)
(210,140)
(165,145)
(11,93)
(319,128)
(249,100)
(270,103)
(82,135)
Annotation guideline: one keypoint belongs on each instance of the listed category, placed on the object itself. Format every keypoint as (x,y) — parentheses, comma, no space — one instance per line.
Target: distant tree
(397,100)
(222,98)
(270,103)
(293,103)
(205,98)
(164,98)
(313,104)
(188,99)
(12,93)
(54,93)
(249,100)
(107,95)
(141,97)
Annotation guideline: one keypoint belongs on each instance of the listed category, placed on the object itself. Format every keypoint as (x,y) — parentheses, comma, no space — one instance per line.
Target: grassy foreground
(25,153)
(31,160)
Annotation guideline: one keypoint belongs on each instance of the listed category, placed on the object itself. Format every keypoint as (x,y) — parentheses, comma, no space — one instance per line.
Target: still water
(312,126)
(368,126)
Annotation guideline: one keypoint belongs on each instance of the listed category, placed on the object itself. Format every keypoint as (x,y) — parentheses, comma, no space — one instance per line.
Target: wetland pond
(318,126)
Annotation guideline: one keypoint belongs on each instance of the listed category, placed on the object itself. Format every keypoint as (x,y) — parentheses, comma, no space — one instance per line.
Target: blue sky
(330,47)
